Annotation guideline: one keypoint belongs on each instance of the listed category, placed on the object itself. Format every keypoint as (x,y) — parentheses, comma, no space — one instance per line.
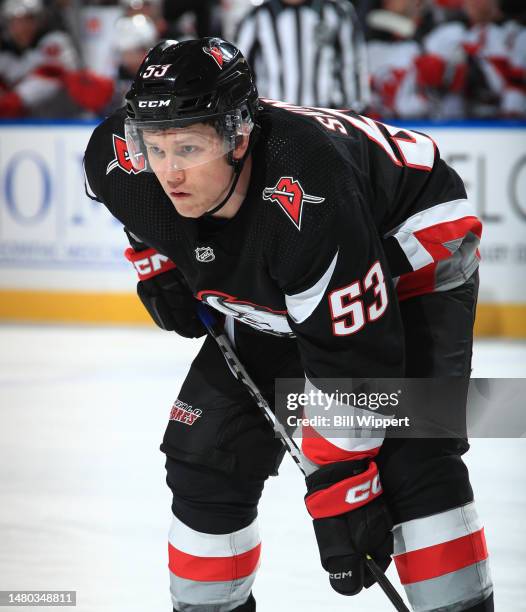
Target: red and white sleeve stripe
(441,244)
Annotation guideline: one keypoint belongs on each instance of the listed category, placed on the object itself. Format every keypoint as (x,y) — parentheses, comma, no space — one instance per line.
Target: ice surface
(84,506)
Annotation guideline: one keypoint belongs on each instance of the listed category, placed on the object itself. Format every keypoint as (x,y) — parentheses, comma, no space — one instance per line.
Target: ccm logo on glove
(362,492)
(345,495)
(340,575)
(148,263)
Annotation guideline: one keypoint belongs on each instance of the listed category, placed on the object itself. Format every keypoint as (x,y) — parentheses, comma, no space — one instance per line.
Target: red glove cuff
(148,263)
(345,495)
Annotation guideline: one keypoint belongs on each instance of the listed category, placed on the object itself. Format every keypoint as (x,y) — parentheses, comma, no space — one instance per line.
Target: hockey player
(336,246)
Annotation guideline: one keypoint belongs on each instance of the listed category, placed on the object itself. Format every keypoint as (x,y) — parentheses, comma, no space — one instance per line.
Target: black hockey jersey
(344,216)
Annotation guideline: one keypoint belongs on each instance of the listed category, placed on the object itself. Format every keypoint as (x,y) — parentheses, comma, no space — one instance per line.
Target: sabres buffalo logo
(216,54)
(122,158)
(259,317)
(289,194)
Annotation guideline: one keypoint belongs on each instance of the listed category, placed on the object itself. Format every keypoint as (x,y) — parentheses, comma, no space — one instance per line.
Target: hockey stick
(238,370)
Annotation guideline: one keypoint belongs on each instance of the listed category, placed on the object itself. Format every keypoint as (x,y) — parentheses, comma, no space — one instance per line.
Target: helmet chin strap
(238,167)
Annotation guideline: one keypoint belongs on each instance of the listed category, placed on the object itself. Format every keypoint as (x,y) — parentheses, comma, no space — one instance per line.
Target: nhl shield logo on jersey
(289,194)
(122,158)
(216,54)
(204,254)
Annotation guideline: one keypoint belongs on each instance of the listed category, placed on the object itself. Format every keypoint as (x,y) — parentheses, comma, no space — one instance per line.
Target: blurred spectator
(192,18)
(134,36)
(514,97)
(396,31)
(115,39)
(420,17)
(307,53)
(148,8)
(232,11)
(40,69)
(460,68)
(96,27)
(393,47)
(33,61)
(463,65)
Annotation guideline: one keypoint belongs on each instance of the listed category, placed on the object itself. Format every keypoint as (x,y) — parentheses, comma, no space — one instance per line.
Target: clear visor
(161,146)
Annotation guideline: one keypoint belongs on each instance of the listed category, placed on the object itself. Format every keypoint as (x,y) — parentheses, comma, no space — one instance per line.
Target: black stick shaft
(385,584)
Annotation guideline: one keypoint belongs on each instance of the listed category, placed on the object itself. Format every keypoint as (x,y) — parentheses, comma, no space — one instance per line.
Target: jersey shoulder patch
(106,150)
(122,160)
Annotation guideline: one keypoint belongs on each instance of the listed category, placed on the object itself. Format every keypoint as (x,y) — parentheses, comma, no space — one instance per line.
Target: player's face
(191,167)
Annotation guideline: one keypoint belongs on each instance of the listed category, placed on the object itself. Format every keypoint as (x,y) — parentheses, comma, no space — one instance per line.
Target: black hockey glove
(164,293)
(350,520)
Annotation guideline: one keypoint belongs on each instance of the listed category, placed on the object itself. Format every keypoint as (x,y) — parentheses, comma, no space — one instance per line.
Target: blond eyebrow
(182,134)
(184,139)
(149,142)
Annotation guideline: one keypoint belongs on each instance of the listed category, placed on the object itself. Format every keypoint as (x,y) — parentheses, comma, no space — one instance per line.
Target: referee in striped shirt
(307,52)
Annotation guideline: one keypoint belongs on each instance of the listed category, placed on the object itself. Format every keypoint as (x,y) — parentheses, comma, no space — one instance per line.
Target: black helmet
(181,83)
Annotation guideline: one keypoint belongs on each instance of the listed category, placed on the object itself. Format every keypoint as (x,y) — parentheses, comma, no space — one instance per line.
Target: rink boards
(61,253)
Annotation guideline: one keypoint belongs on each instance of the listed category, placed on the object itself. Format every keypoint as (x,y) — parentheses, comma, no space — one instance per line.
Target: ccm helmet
(183,83)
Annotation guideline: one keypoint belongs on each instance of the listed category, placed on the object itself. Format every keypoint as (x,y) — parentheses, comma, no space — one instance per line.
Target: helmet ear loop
(237,164)
(232,161)
(143,150)
(133,152)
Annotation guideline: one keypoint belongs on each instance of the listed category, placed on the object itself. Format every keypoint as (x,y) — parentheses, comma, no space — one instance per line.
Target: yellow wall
(504,320)
(72,307)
